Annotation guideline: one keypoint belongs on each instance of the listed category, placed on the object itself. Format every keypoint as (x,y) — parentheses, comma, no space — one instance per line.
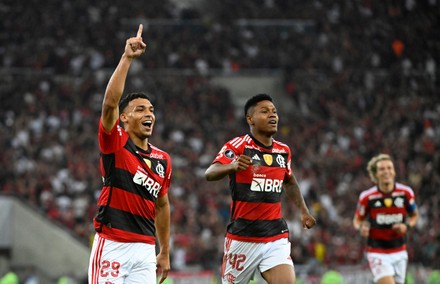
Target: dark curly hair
(255,100)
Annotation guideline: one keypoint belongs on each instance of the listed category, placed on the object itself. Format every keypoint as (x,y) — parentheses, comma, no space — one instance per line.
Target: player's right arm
(362,226)
(359,221)
(217,171)
(134,47)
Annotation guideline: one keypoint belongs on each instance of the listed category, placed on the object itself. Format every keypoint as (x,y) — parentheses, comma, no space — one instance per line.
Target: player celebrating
(384,215)
(259,169)
(133,204)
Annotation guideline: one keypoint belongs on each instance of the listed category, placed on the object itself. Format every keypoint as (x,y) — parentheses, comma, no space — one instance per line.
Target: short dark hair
(123,103)
(255,100)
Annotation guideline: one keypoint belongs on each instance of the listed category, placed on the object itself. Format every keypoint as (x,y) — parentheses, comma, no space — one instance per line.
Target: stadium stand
(357,78)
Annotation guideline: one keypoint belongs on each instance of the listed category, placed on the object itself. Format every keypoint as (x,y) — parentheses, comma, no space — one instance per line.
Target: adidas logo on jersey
(255,157)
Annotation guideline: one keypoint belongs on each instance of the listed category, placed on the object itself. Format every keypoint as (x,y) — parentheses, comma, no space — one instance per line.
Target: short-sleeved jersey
(132,181)
(256,192)
(382,210)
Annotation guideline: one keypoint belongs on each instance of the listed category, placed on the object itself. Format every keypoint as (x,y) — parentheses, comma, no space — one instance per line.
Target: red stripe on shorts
(97,260)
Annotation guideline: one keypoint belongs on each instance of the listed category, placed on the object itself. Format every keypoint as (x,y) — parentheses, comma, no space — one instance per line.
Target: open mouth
(273,122)
(147,123)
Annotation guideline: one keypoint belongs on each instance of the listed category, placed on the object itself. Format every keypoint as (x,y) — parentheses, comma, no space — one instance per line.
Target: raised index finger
(139,33)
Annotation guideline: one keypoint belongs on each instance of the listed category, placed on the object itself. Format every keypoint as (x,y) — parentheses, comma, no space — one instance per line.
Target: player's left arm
(162,224)
(413,216)
(411,219)
(294,193)
(413,212)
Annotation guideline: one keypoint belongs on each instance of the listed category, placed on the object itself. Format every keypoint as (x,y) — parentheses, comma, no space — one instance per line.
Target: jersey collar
(261,144)
(144,152)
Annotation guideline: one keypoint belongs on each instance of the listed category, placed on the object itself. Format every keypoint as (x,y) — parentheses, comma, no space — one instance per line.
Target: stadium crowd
(360,77)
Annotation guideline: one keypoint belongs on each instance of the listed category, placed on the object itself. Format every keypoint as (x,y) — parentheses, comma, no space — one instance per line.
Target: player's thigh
(381,267)
(144,268)
(240,261)
(109,262)
(400,266)
(280,274)
(386,280)
(277,265)
(142,277)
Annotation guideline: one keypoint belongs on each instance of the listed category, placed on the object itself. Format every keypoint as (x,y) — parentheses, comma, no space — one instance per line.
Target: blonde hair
(372,165)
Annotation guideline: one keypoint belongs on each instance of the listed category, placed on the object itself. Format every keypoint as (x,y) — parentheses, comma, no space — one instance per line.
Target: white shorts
(242,259)
(388,264)
(117,263)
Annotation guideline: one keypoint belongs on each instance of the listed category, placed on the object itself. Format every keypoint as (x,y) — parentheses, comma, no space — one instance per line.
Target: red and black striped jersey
(382,210)
(132,181)
(256,192)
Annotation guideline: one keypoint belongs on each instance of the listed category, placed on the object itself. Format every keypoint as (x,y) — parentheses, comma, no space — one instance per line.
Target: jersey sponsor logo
(156,156)
(150,184)
(268,159)
(388,202)
(255,157)
(252,147)
(388,219)
(279,150)
(374,196)
(266,185)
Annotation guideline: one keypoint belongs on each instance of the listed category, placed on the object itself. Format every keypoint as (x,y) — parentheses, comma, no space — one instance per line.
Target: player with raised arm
(133,206)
